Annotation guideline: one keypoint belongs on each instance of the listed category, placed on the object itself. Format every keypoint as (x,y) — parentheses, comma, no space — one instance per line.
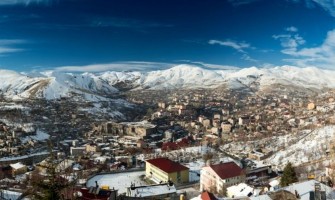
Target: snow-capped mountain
(186,76)
(53,84)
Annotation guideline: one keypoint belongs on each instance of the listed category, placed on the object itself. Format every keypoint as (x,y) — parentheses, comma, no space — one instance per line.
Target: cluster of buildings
(220,181)
(155,148)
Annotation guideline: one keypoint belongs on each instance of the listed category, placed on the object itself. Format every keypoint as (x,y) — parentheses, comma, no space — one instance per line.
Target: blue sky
(100,35)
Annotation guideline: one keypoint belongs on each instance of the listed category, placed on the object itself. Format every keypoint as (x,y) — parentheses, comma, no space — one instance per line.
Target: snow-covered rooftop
(304,189)
(17,165)
(240,190)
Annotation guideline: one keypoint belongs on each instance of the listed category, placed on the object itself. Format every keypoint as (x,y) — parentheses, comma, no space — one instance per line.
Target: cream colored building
(163,170)
(18,168)
(226,127)
(311,106)
(92,148)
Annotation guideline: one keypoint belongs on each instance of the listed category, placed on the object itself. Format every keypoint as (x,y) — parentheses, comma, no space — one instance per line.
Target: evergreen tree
(289,176)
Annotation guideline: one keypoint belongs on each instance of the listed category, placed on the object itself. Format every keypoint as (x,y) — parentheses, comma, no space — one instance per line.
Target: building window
(178,177)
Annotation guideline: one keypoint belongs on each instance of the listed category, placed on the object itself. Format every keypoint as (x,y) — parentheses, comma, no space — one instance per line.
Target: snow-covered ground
(118,181)
(13,106)
(312,147)
(22,157)
(299,148)
(39,136)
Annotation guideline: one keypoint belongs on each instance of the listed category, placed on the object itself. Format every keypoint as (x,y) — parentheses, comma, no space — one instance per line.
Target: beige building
(226,127)
(161,105)
(163,170)
(217,116)
(18,168)
(201,118)
(142,129)
(92,148)
(311,106)
(206,123)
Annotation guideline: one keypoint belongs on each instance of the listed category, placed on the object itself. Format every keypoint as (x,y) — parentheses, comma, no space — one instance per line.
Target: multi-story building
(226,127)
(215,178)
(163,169)
(92,148)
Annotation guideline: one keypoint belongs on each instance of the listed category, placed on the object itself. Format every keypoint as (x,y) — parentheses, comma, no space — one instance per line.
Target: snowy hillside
(52,85)
(317,142)
(95,87)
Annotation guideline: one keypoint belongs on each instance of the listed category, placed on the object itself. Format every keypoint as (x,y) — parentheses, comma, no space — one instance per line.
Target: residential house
(311,106)
(162,105)
(310,190)
(246,120)
(205,196)
(217,116)
(141,129)
(18,168)
(201,118)
(216,122)
(206,122)
(77,151)
(92,148)
(226,127)
(215,178)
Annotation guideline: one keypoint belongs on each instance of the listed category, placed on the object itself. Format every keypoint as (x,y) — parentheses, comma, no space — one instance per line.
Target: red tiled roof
(207,196)
(169,146)
(176,145)
(227,170)
(167,165)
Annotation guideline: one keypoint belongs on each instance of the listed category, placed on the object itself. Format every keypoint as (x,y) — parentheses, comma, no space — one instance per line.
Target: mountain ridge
(55,84)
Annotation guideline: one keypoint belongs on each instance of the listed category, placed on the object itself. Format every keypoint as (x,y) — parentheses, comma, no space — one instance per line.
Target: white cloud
(117,66)
(5,50)
(327,5)
(239,46)
(209,65)
(248,58)
(140,66)
(11,42)
(292,29)
(321,56)
(23,2)
(6,46)
(291,40)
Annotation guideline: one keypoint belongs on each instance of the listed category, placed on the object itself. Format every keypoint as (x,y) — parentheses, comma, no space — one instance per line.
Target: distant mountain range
(99,86)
